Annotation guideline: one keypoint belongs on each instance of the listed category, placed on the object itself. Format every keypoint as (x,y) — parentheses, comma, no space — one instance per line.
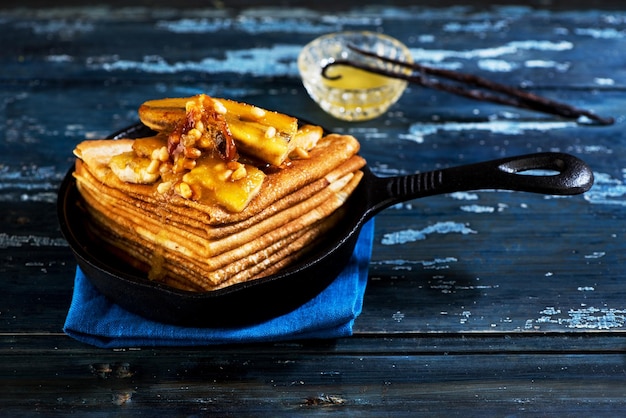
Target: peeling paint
(603,81)
(607,190)
(398,316)
(203,25)
(249,25)
(606,33)
(418,131)
(11,241)
(412,235)
(596,254)
(465,316)
(32,184)
(497,66)
(451,286)
(435,264)
(593,318)
(489,53)
(476,27)
(581,318)
(561,67)
(279,60)
(464,196)
(478,209)
(596,149)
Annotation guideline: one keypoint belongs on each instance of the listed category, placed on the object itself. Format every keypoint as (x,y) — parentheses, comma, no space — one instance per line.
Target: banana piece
(259,133)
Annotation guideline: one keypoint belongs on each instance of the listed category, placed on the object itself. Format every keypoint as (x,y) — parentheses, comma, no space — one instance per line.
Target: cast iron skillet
(274,295)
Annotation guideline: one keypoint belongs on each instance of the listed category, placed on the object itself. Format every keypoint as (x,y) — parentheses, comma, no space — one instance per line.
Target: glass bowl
(357,95)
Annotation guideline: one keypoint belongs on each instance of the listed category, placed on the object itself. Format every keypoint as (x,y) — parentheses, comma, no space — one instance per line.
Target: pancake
(181,251)
(194,243)
(196,238)
(329,153)
(211,241)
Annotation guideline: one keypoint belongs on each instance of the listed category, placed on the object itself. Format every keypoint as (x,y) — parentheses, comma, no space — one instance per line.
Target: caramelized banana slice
(259,133)
(304,141)
(232,184)
(130,168)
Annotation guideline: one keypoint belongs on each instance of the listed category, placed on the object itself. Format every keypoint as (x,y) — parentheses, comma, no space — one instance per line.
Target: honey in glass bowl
(351,93)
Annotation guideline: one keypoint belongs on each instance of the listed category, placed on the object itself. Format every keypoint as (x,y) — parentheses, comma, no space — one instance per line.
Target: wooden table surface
(497,303)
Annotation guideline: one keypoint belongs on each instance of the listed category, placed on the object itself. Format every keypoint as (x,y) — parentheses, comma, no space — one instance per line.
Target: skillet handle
(564,175)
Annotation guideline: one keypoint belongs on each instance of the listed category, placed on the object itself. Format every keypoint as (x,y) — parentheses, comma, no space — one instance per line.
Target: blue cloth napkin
(94,320)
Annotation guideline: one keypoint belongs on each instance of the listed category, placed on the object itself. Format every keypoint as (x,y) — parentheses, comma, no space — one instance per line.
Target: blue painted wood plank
(511,262)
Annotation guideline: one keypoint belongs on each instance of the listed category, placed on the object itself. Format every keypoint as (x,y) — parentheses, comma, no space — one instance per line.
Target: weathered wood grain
(503,302)
(283,379)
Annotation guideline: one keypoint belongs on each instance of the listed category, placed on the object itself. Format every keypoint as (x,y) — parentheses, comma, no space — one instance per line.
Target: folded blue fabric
(94,320)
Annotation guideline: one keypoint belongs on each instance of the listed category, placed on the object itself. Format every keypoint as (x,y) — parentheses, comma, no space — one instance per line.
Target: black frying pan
(274,295)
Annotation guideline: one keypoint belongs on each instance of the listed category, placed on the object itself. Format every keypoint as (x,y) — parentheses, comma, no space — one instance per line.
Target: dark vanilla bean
(468,85)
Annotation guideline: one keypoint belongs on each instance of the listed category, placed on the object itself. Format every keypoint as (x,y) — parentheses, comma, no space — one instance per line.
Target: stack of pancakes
(201,245)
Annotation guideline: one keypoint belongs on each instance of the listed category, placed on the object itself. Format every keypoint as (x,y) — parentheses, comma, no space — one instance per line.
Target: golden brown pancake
(242,257)
(329,153)
(199,244)
(292,204)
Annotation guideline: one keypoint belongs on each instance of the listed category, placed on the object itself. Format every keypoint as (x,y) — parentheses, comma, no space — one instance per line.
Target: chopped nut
(205,142)
(179,165)
(165,168)
(239,173)
(257,112)
(163,188)
(192,153)
(195,133)
(153,167)
(188,141)
(270,132)
(163,154)
(220,108)
(184,190)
